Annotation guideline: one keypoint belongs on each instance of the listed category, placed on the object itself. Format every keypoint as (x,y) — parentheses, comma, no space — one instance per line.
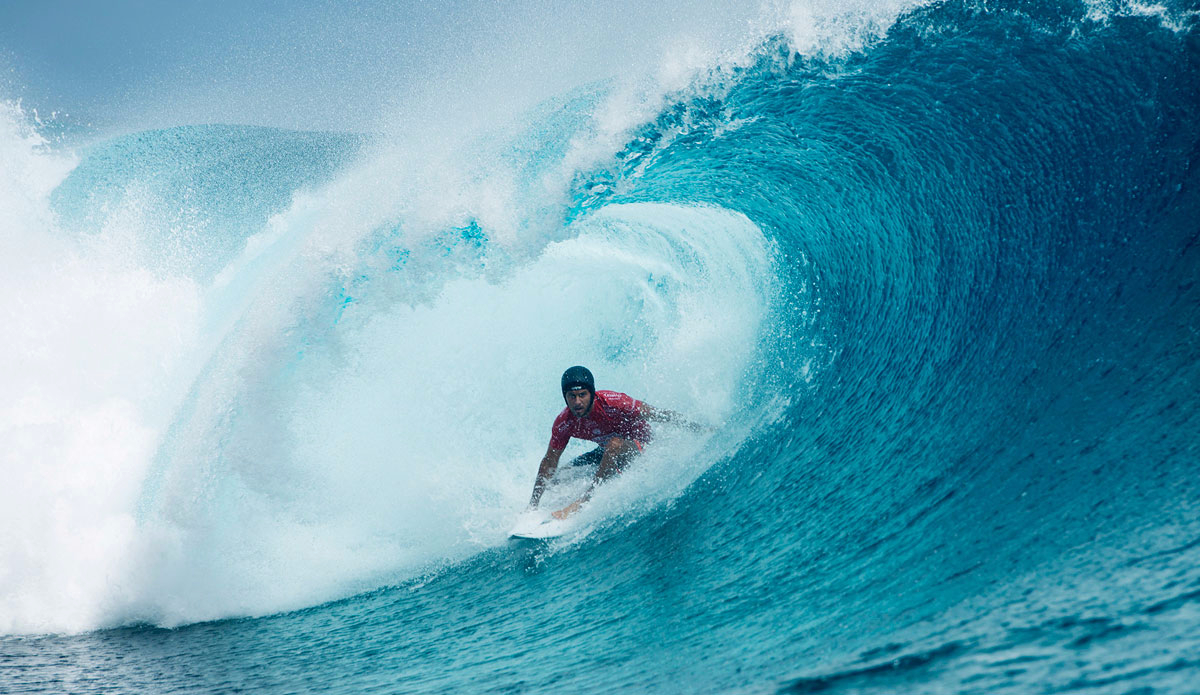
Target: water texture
(274,398)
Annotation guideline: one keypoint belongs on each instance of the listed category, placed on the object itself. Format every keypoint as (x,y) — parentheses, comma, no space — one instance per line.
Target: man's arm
(616,453)
(545,471)
(670,417)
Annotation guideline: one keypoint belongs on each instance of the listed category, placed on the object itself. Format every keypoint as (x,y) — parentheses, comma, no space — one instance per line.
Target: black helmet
(578,377)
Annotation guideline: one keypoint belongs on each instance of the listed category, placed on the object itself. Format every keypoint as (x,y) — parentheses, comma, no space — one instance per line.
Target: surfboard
(539,527)
(568,483)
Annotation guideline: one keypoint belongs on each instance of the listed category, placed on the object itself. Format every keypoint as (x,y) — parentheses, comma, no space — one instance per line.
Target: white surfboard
(568,484)
(539,525)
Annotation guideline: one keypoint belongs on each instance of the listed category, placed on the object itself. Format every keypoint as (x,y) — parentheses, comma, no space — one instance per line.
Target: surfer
(619,424)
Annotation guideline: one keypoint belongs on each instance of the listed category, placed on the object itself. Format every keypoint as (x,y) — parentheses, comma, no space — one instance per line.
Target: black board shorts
(592,458)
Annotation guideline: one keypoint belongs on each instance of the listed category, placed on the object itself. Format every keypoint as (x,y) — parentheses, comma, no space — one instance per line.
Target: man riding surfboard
(619,424)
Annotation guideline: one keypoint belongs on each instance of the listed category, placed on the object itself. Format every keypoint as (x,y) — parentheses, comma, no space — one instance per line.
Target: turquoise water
(935,293)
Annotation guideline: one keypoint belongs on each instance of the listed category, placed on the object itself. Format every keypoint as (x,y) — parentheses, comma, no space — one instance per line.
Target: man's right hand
(567,510)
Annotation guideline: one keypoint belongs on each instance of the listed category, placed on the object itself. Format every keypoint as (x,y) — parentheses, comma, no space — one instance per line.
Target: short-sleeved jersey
(613,414)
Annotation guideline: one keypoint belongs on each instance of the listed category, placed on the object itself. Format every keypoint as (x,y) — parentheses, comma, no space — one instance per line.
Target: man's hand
(567,510)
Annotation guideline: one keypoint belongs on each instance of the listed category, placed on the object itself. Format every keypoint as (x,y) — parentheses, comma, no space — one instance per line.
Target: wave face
(932,282)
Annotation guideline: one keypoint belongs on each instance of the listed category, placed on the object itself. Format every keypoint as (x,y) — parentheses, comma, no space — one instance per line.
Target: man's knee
(620,451)
(616,445)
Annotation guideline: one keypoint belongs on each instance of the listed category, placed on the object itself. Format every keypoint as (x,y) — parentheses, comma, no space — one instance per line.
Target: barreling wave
(932,282)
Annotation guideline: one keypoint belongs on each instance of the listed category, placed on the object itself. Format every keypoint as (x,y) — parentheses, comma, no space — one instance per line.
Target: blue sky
(318,64)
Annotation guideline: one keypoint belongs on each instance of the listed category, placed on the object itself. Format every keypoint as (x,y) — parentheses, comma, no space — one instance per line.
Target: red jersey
(613,414)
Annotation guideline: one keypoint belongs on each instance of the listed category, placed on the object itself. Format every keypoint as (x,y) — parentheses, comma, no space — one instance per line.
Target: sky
(326,65)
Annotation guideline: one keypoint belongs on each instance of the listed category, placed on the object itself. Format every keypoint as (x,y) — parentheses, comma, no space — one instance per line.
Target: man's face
(579,401)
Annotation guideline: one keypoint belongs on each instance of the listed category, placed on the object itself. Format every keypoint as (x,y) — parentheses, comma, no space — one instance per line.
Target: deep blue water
(937,296)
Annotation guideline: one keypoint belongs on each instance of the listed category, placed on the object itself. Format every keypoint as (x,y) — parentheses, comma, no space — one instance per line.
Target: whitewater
(926,273)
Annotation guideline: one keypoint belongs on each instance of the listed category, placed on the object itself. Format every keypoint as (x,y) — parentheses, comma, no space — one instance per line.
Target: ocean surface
(273,399)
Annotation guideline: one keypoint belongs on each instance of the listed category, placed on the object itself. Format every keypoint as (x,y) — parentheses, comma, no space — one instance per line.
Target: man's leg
(618,453)
(591,458)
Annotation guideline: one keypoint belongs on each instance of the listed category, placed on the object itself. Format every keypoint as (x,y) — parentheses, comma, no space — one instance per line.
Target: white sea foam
(177,451)
(412,439)
(1173,16)
(90,343)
